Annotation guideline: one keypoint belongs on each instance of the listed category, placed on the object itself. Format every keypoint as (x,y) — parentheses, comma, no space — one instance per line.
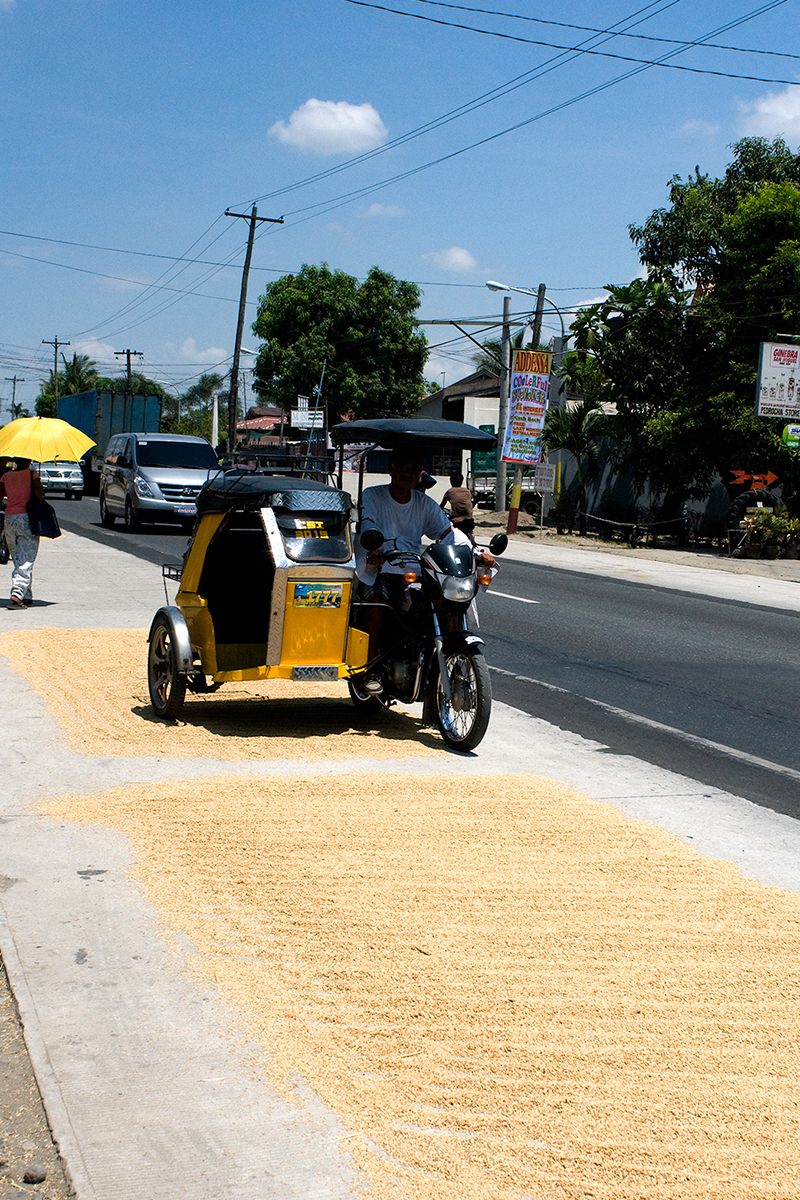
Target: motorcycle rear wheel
(464,721)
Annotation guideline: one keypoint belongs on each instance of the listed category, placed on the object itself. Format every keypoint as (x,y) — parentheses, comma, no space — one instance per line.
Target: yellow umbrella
(43,439)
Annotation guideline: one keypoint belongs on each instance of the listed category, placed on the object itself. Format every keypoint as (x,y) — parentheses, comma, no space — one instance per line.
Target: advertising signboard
(527,404)
(544,477)
(778,392)
(303,419)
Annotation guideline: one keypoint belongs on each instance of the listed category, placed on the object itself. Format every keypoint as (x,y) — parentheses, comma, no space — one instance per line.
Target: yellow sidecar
(265,591)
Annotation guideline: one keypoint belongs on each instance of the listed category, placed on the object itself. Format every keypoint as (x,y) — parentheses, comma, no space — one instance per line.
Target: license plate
(186,510)
(318,595)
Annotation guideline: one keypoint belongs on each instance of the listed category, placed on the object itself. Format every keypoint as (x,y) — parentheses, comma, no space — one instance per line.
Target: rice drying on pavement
(504,988)
(262,720)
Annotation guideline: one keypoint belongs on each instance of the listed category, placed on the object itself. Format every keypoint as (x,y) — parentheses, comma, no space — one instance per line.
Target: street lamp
(494,286)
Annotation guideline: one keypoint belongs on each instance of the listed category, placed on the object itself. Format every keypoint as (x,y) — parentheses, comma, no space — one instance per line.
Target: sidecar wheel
(463,722)
(167,685)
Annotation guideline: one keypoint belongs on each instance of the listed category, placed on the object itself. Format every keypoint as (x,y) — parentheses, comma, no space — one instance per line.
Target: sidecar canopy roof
(245,490)
(396,432)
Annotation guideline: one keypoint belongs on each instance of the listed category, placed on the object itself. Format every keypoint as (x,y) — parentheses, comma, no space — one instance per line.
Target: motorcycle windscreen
(452,559)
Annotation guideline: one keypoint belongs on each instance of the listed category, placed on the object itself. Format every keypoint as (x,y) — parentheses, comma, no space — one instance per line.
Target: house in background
(474,400)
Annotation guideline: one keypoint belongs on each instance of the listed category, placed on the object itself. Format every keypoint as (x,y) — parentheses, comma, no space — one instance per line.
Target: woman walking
(17,488)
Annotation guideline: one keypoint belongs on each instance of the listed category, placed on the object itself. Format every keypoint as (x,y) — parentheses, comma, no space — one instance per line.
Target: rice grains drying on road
(263,720)
(504,988)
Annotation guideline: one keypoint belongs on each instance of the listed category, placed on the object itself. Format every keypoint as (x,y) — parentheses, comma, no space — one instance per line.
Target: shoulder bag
(43,519)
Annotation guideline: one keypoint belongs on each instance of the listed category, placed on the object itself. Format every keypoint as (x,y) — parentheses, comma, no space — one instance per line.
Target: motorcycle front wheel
(463,722)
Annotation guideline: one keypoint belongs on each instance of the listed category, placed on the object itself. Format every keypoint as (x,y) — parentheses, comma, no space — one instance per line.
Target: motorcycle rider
(404,515)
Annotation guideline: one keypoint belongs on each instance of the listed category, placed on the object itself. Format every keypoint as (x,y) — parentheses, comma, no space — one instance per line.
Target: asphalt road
(704,687)
(701,686)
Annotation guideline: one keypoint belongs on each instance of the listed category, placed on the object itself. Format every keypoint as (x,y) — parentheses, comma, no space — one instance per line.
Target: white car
(61,476)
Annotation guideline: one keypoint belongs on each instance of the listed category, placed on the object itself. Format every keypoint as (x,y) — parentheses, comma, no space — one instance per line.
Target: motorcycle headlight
(459,591)
(142,487)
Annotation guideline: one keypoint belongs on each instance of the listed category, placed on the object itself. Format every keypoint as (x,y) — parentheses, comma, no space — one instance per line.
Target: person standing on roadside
(17,488)
(459,499)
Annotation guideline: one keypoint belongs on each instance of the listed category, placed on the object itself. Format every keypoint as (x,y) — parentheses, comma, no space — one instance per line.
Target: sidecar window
(322,537)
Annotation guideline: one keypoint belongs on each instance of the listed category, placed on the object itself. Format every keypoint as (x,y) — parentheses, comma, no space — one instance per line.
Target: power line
(511,85)
(511,37)
(338,202)
(642,37)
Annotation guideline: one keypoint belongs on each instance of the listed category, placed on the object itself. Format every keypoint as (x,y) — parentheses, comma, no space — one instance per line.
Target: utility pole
(128,394)
(502,420)
(536,331)
(13,380)
(55,344)
(127,354)
(233,393)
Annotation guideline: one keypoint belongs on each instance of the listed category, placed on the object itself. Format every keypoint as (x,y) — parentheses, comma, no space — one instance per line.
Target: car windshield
(193,456)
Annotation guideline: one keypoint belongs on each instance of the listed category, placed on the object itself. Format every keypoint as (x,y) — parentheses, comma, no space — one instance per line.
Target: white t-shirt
(402,525)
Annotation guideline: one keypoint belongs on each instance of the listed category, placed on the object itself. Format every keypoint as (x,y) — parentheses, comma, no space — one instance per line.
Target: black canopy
(397,432)
(245,490)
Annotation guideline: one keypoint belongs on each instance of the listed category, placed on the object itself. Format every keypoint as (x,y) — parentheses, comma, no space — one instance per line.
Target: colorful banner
(778,381)
(527,404)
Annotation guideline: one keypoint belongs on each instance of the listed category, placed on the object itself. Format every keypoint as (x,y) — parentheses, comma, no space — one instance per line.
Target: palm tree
(488,359)
(576,430)
(80,375)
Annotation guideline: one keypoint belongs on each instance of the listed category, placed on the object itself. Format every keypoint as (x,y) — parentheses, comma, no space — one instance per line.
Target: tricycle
(268,590)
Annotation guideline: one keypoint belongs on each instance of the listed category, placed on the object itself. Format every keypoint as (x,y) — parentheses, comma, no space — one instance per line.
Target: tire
(107,519)
(464,722)
(367,704)
(131,520)
(77,495)
(166,684)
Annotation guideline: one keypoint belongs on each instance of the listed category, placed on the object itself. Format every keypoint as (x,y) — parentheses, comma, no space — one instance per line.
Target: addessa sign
(778,381)
(527,404)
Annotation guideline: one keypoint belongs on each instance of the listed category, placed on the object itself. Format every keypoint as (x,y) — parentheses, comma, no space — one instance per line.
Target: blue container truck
(101,414)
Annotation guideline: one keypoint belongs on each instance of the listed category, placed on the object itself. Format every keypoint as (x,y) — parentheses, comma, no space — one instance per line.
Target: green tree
(680,362)
(363,335)
(577,430)
(195,408)
(80,375)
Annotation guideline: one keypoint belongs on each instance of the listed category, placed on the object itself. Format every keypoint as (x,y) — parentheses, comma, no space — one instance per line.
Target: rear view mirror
(371,539)
(123,461)
(498,543)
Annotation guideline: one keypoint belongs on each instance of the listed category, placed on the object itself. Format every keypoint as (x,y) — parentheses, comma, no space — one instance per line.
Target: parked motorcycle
(428,652)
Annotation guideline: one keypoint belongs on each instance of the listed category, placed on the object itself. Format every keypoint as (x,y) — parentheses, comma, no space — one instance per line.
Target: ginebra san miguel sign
(778,381)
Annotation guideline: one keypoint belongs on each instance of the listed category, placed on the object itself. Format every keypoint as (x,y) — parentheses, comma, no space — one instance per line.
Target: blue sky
(128,129)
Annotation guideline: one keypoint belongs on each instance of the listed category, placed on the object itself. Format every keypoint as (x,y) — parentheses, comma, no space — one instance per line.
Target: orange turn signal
(411,577)
(485,579)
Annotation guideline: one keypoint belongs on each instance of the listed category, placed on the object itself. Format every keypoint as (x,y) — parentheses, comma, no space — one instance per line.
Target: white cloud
(775,115)
(700,129)
(101,352)
(386,210)
(454,259)
(189,353)
(332,127)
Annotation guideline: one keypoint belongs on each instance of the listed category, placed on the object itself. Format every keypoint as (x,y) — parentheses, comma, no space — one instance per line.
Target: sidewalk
(152,1084)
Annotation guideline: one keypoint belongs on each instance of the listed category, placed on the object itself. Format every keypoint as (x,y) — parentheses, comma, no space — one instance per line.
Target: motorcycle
(428,651)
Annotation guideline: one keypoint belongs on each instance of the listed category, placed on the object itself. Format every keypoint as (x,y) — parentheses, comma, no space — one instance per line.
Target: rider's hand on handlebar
(376,558)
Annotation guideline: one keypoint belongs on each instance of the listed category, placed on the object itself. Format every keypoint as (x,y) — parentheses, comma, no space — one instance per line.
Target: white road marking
(691,738)
(506,596)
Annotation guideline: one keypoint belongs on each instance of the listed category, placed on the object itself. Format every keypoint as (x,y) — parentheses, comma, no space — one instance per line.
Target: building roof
(481,383)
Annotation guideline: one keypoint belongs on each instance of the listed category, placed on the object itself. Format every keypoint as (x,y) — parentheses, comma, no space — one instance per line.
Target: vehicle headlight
(460,591)
(142,487)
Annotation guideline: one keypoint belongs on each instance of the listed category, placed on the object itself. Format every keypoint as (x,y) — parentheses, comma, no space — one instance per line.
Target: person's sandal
(16,602)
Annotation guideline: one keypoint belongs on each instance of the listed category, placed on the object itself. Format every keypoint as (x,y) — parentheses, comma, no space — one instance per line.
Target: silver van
(153,477)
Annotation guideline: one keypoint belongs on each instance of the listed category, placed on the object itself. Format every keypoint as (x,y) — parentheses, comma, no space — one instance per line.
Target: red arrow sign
(756,481)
